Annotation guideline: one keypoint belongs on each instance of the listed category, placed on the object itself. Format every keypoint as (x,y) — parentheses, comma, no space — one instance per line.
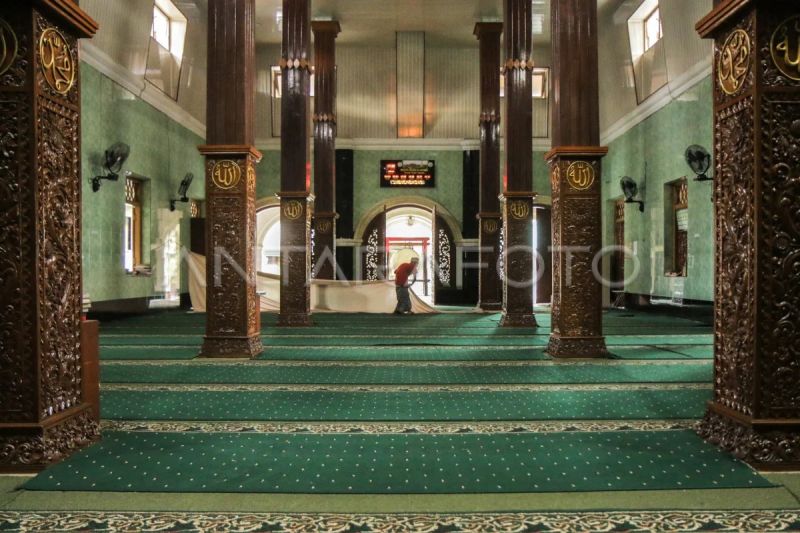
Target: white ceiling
(374,22)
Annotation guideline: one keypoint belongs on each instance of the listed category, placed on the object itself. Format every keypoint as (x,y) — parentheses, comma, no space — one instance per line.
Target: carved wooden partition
(755,412)
(43,413)
(445,262)
(373,249)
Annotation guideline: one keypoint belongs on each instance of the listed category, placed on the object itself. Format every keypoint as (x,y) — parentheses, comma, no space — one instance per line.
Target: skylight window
(652,29)
(161,28)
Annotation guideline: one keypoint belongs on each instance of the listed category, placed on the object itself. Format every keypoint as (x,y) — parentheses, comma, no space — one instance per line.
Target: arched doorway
(268,238)
(409,233)
(413,226)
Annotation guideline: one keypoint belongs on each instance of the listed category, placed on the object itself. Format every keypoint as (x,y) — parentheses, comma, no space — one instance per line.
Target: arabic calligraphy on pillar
(734,61)
(785,47)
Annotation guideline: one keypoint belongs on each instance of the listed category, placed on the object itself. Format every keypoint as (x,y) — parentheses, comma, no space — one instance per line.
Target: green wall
(368,192)
(660,142)
(161,150)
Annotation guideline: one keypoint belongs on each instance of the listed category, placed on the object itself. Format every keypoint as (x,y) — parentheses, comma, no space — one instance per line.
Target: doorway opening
(409,233)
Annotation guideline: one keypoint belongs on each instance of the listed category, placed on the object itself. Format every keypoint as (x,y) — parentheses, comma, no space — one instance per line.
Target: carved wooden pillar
(43,413)
(517,194)
(233,319)
(491,288)
(577,325)
(755,412)
(325,216)
(296,199)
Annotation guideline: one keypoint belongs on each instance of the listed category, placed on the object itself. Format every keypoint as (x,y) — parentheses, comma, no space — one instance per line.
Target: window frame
(133,234)
(157,9)
(680,202)
(647,45)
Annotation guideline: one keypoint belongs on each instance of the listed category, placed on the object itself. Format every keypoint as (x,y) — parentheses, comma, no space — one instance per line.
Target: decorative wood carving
(490,285)
(517,196)
(577,328)
(295,307)
(233,319)
(373,249)
(755,412)
(43,413)
(324,252)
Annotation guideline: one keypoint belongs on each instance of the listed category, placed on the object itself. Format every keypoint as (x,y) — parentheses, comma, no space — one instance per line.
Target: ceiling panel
(374,22)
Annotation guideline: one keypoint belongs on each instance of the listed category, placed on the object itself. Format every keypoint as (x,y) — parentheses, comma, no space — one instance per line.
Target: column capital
(70,14)
(509,195)
(295,194)
(326,26)
(487,28)
(576,152)
(722,13)
(241,150)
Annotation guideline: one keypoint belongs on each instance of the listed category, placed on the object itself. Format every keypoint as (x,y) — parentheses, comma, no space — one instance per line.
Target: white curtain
(326,296)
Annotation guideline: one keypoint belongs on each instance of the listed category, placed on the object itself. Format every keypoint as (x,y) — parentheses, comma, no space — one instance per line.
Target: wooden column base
(232,347)
(295,320)
(576,347)
(31,447)
(765,444)
(518,320)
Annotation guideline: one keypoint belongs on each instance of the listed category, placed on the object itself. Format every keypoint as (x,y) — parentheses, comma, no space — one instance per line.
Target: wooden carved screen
(373,249)
(445,272)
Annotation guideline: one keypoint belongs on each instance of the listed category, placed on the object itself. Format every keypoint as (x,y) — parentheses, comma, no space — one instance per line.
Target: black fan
(630,190)
(115,157)
(183,190)
(699,160)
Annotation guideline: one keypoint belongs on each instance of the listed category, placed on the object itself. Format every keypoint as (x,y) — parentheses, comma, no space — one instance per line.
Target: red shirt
(402,273)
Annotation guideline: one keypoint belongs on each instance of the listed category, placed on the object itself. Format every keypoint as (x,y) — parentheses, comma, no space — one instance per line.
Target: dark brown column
(577,325)
(517,194)
(491,287)
(755,412)
(44,415)
(233,314)
(325,216)
(296,199)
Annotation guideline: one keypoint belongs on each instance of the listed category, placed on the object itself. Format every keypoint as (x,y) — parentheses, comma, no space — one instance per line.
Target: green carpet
(407,374)
(312,339)
(397,464)
(148,352)
(622,404)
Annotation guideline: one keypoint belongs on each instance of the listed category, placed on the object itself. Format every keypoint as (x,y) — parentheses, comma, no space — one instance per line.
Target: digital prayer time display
(396,173)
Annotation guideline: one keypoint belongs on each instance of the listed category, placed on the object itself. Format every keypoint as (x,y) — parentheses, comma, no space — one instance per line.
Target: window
(162,31)
(132,239)
(165,52)
(648,56)
(677,234)
(652,29)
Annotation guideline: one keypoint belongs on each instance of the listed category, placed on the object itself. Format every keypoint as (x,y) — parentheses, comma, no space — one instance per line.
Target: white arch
(416,201)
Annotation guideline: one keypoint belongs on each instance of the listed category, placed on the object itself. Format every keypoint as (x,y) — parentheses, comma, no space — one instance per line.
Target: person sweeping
(401,276)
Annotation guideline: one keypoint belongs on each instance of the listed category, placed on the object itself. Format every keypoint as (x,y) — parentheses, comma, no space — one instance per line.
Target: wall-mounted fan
(183,191)
(699,160)
(114,158)
(630,189)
